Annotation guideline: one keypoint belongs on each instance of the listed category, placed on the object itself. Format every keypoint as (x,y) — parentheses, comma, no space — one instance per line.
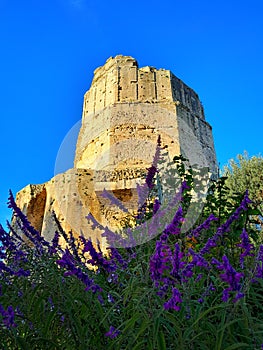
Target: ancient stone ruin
(124,111)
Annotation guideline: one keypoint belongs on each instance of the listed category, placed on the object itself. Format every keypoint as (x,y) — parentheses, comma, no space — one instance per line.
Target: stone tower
(124,111)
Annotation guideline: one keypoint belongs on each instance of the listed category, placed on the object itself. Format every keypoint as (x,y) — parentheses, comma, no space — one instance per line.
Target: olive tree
(246,173)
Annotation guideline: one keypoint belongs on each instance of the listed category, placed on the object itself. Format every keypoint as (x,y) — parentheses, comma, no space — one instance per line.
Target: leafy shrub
(200,289)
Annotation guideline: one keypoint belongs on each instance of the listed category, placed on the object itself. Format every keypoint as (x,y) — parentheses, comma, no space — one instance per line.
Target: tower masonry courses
(124,111)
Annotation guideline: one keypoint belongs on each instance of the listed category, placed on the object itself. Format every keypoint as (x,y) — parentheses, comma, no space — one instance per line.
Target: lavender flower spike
(259,262)
(153,169)
(246,246)
(112,333)
(174,302)
(231,277)
(8,316)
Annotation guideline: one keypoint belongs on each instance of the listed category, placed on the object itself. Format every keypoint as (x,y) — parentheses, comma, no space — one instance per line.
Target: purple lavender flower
(5,268)
(110,298)
(225,295)
(8,242)
(153,169)
(67,261)
(8,316)
(206,293)
(160,261)
(242,207)
(11,270)
(246,246)
(112,333)
(174,301)
(18,213)
(188,312)
(174,226)
(204,226)
(150,176)
(212,242)
(116,258)
(100,299)
(156,205)
(22,273)
(201,300)
(157,155)
(259,263)
(196,260)
(113,278)
(54,247)
(74,245)
(230,276)
(177,263)
(11,253)
(142,191)
(166,266)
(199,277)
(30,232)
(126,240)
(50,301)
(113,239)
(238,296)
(97,258)
(95,223)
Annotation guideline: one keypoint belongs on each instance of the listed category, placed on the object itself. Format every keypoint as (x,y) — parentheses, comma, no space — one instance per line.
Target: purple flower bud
(150,176)
(259,263)
(156,206)
(174,226)
(204,226)
(246,246)
(110,298)
(230,276)
(8,316)
(112,333)
(174,301)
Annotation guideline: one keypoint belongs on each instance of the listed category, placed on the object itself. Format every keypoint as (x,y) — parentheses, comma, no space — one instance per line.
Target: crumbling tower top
(125,102)
(121,80)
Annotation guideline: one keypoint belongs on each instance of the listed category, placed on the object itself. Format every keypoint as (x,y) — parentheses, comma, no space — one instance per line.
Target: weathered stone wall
(121,80)
(124,111)
(74,194)
(126,102)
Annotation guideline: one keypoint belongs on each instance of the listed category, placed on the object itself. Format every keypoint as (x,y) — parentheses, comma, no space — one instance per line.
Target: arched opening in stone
(36,209)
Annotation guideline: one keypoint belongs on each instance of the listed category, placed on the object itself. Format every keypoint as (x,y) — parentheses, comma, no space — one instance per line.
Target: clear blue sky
(49,50)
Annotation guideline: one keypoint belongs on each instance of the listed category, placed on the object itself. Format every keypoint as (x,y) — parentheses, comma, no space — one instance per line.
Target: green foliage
(54,311)
(246,173)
